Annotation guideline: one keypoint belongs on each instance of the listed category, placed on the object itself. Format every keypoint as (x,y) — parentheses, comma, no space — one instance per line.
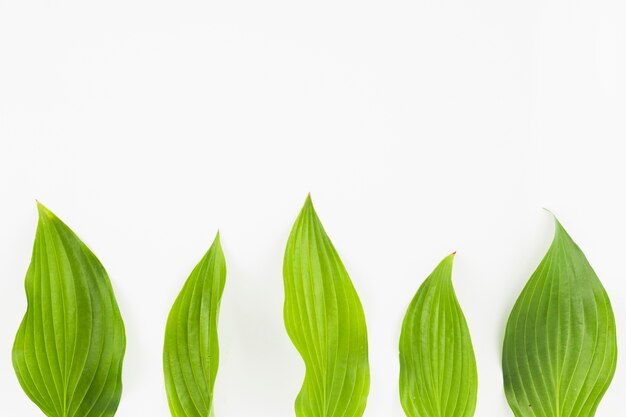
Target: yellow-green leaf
(437,365)
(325,321)
(69,349)
(191,351)
(560,348)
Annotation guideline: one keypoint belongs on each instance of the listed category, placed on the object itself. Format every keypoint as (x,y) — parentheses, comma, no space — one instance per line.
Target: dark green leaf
(560,349)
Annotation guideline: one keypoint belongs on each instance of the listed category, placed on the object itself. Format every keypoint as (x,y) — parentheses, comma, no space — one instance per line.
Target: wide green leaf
(70,346)
(191,351)
(325,321)
(560,348)
(437,365)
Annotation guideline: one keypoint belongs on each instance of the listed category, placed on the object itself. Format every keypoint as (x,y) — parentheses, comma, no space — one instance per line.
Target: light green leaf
(191,351)
(70,346)
(325,321)
(437,365)
(560,349)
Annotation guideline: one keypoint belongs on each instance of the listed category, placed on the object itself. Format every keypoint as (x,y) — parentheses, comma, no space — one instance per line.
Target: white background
(420,127)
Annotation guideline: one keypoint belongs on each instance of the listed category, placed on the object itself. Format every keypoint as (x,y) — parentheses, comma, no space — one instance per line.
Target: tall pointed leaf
(437,365)
(69,349)
(191,352)
(325,321)
(560,349)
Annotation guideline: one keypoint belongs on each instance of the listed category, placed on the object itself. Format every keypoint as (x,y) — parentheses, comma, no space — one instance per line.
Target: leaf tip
(449,259)
(44,213)
(551,213)
(308,205)
(217,241)
(559,227)
(445,265)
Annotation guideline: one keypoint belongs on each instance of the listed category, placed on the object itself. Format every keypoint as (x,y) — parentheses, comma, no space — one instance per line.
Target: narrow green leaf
(325,321)
(560,348)
(191,351)
(69,349)
(437,365)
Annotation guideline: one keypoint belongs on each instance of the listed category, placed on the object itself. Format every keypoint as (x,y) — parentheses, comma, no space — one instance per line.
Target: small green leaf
(69,349)
(560,349)
(325,321)
(191,351)
(437,365)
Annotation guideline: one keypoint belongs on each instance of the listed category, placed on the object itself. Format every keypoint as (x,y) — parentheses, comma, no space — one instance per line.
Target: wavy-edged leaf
(325,321)
(191,351)
(69,349)
(560,348)
(437,365)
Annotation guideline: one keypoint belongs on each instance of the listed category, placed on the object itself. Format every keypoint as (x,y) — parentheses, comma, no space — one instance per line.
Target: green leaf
(560,349)
(325,321)
(437,365)
(191,351)
(70,346)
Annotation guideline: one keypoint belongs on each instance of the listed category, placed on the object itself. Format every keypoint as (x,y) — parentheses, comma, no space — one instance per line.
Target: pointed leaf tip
(559,230)
(444,268)
(554,217)
(217,241)
(551,213)
(309,201)
(449,259)
(308,207)
(43,211)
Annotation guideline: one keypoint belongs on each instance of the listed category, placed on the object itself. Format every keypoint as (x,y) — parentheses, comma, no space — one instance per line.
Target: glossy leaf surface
(191,351)
(560,346)
(437,365)
(325,321)
(69,349)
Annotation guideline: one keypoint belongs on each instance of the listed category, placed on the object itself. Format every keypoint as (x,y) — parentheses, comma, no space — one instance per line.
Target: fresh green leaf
(325,321)
(437,365)
(560,349)
(191,351)
(70,346)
